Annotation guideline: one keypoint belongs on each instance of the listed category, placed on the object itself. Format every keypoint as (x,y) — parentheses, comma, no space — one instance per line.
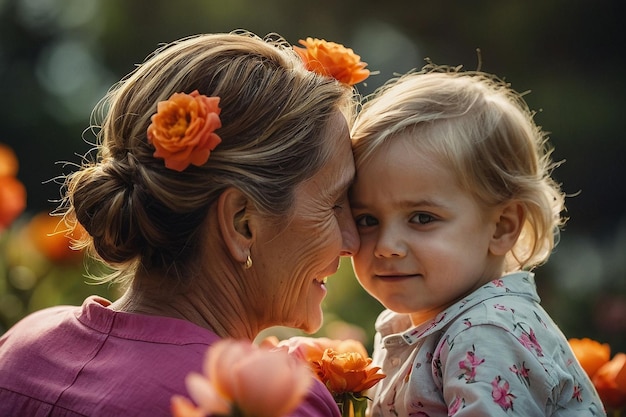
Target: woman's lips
(321,281)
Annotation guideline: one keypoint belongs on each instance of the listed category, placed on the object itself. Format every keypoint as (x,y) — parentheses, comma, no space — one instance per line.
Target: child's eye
(365,220)
(423,218)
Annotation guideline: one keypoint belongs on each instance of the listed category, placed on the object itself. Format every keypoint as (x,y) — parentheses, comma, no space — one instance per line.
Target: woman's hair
(274,114)
(481,129)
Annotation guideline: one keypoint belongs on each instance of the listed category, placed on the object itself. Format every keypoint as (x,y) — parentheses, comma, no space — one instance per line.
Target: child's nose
(389,245)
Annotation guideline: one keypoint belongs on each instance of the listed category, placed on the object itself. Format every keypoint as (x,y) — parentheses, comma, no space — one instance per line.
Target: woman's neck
(214,308)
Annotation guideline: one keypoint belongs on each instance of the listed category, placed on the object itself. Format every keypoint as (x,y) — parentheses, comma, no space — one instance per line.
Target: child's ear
(233,217)
(509,222)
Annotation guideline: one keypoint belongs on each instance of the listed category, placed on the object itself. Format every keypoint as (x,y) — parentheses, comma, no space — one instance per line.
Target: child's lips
(396,275)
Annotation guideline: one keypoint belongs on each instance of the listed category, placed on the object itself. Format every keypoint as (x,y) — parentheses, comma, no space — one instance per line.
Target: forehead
(337,173)
(401,154)
(398,169)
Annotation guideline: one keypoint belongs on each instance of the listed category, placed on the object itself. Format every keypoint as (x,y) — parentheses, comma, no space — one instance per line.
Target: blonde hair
(484,131)
(274,112)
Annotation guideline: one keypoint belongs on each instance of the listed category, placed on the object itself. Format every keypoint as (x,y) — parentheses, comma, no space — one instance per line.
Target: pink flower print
(417,334)
(578,393)
(498,283)
(522,373)
(529,341)
(392,403)
(501,394)
(468,367)
(456,405)
(500,307)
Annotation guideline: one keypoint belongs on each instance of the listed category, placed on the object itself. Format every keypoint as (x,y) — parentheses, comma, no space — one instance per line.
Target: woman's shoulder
(318,403)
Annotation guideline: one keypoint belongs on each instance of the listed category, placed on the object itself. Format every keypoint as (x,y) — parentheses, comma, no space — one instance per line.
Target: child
(454,204)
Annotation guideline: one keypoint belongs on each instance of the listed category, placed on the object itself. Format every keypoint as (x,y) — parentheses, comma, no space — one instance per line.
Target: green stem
(351,405)
(360,405)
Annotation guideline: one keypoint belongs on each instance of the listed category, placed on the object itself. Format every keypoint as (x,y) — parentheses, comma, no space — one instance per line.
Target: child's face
(424,241)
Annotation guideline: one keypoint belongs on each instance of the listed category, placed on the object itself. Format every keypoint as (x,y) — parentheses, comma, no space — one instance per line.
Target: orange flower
(8,162)
(590,353)
(49,238)
(236,382)
(182,407)
(333,60)
(610,382)
(182,130)
(311,349)
(12,191)
(347,372)
(12,200)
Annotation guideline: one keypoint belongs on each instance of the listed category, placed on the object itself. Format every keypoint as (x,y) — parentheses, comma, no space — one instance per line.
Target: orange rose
(333,60)
(347,372)
(591,354)
(182,130)
(610,382)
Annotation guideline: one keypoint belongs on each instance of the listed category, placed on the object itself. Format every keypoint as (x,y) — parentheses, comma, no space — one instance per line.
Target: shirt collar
(518,283)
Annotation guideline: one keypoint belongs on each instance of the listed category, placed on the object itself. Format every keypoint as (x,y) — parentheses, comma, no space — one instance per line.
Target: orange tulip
(610,382)
(236,382)
(590,353)
(206,395)
(182,407)
(333,60)
(347,372)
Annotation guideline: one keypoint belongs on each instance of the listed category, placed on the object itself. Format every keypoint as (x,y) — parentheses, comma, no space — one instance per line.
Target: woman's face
(292,262)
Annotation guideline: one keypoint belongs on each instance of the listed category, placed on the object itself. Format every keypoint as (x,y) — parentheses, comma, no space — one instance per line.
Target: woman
(219,198)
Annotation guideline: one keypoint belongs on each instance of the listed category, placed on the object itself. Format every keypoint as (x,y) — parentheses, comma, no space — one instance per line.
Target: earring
(248,263)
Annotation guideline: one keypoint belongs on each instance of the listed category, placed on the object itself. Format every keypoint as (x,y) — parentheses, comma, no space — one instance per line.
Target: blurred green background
(58,58)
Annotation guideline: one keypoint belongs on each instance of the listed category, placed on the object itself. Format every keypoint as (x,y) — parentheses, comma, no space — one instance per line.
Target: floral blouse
(494,353)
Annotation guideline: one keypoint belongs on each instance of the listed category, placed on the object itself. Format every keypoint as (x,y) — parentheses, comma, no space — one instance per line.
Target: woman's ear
(509,223)
(232,206)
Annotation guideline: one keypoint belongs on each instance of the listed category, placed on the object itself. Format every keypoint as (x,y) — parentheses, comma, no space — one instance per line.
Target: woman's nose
(349,235)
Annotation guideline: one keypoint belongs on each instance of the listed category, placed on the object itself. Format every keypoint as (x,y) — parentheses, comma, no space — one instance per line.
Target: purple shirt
(93,361)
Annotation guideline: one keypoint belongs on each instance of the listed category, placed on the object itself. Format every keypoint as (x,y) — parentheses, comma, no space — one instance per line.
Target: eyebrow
(404,204)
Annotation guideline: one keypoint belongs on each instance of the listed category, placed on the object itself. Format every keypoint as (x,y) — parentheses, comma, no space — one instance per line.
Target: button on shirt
(494,353)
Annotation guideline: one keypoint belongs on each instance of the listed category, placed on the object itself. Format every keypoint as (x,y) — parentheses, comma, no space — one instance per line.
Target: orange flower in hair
(183,129)
(333,60)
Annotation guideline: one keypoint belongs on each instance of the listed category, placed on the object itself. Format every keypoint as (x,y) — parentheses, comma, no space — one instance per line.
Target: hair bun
(103,201)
